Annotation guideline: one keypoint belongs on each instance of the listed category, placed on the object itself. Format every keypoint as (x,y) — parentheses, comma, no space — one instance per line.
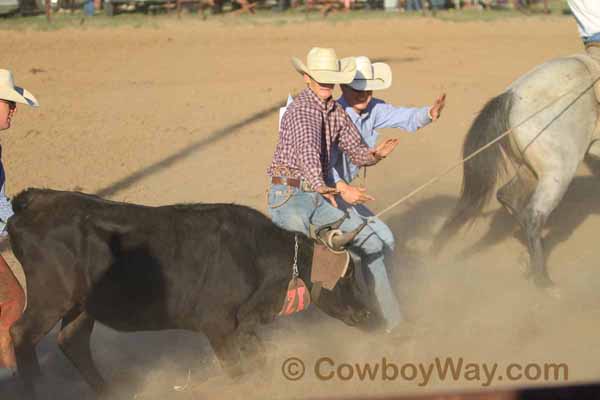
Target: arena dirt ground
(187,112)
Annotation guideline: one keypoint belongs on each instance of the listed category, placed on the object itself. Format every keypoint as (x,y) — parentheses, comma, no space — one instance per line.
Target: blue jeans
(413,5)
(379,228)
(88,7)
(290,208)
(594,38)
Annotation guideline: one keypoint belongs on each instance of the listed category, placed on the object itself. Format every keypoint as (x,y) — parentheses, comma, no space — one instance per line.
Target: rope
(488,145)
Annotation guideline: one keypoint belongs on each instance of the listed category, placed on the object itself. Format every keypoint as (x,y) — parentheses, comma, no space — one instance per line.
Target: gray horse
(551,113)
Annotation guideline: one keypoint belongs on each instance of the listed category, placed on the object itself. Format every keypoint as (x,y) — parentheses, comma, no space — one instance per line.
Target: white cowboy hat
(324,67)
(10,92)
(376,76)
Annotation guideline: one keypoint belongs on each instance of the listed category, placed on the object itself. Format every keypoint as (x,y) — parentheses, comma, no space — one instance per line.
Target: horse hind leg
(592,157)
(515,194)
(548,193)
(12,302)
(74,341)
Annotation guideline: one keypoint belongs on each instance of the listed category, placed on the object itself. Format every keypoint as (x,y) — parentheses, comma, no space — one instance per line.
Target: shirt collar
(324,105)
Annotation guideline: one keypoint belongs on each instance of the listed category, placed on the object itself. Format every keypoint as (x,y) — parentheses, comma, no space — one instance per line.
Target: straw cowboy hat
(10,92)
(376,76)
(324,67)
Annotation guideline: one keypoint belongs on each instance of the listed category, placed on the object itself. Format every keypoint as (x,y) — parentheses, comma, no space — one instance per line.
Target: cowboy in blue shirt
(369,114)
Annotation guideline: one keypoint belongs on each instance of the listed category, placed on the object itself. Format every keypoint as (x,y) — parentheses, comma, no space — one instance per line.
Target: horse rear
(550,115)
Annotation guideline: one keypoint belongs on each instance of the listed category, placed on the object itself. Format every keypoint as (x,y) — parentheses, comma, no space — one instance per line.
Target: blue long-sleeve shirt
(378,114)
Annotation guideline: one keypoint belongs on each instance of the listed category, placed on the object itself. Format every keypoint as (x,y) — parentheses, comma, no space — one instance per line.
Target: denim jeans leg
(294,213)
(289,208)
(371,248)
(376,224)
(390,308)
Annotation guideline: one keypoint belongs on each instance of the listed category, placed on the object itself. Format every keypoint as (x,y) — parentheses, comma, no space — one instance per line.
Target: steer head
(352,299)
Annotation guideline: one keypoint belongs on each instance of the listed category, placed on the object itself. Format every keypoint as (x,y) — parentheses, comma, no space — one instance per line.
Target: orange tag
(297,297)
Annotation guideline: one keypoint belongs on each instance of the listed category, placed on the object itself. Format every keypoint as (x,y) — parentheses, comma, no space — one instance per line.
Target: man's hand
(353,195)
(329,194)
(384,148)
(436,109)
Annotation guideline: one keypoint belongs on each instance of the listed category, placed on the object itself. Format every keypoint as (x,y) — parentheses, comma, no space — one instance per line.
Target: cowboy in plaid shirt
(308,122)
(311,126)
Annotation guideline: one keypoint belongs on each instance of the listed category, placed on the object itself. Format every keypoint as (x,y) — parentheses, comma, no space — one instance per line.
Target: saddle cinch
(330,263)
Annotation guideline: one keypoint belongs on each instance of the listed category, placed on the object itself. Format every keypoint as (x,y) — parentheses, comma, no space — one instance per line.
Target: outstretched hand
(384,148)
(436,109)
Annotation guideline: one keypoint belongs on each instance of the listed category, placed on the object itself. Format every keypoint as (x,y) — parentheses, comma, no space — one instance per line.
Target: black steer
(219,269)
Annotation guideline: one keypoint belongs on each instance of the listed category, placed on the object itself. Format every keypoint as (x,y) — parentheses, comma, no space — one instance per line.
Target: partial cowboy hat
(10,92)
(371,76)
(324,67)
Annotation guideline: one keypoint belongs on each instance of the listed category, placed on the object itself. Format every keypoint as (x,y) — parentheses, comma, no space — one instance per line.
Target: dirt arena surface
(188,113)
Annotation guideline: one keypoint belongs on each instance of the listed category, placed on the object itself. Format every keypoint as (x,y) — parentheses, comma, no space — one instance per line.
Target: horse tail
(480,173)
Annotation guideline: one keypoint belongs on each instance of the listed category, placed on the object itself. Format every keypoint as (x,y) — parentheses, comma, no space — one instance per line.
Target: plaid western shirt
(309,128)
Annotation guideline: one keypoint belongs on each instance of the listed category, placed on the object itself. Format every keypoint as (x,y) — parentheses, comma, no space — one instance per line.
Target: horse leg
(592,157)
(12,302)
(74,341)
(515,194)
(545,198)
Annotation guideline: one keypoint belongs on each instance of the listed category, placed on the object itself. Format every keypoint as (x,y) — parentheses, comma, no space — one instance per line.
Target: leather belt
(293,182)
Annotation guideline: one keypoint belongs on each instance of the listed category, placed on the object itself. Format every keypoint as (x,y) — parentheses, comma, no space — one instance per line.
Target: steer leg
(252,349)
(26,333)
(74,341)
(224,343)
(248,317)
